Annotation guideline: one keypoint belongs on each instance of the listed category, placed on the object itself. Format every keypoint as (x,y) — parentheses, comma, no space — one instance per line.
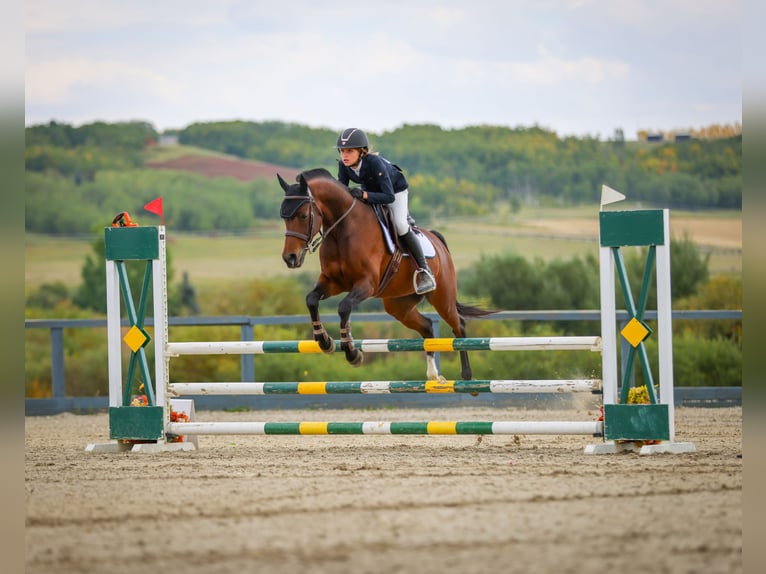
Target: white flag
(609,195)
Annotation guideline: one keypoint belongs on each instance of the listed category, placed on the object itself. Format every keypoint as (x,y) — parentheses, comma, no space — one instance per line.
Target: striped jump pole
(387,387)
(390,345)
(623,425)
(593,428)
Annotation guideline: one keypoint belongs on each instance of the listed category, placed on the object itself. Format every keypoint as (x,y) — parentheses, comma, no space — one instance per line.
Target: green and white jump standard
(136,427)
(628,425)
(624,426)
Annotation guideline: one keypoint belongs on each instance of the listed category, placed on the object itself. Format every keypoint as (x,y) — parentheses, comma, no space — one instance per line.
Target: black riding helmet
(352,138)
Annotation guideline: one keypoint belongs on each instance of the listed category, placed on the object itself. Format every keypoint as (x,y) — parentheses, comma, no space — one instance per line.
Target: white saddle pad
(425,243)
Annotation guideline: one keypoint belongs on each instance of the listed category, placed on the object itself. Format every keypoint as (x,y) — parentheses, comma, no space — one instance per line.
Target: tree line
(511,162)
(468,171)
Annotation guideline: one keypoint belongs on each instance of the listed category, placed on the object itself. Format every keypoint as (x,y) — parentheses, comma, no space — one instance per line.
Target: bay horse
(319,211)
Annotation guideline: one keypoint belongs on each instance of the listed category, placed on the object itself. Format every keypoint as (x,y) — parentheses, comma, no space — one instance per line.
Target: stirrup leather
(423,281)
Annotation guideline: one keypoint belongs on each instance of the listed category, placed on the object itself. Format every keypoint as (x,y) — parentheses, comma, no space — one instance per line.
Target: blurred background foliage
(104,168)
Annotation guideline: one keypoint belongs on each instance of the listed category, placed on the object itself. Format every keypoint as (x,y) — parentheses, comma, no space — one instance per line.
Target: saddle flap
(386,222)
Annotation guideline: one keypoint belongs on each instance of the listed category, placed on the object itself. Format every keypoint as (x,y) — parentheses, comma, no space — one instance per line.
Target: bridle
(314,241)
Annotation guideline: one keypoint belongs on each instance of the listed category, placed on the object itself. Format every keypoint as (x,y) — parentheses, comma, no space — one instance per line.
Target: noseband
(313,243)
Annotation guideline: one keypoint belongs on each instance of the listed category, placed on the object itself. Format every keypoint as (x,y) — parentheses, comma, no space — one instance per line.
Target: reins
(313,243)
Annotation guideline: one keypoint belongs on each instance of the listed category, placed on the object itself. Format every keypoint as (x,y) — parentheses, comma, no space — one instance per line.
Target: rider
(384,183)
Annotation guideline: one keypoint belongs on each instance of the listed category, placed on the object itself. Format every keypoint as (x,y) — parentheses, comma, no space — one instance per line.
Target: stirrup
(423,281)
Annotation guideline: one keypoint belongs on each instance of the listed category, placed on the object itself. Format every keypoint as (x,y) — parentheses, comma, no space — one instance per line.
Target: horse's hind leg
(321,335)
(457,323)
(458,328)
(465,366)
(444,300)
(404,309)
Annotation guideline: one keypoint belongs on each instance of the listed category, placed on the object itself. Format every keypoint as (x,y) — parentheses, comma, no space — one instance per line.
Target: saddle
(390,236)
(391,239)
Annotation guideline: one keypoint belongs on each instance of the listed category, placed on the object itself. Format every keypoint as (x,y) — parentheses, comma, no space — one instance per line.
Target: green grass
(208,260)
(215,260)
(51,259)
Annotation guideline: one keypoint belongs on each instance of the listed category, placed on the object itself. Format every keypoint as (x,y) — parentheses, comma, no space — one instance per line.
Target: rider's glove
(357,192)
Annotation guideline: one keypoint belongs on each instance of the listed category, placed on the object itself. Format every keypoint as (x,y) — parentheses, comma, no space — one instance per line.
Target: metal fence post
(248,361)
(58,381)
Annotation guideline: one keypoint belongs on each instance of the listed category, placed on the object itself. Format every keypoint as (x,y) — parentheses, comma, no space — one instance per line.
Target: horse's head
(303,221)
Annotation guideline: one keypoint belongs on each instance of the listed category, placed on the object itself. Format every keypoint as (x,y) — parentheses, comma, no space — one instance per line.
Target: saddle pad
(425,244)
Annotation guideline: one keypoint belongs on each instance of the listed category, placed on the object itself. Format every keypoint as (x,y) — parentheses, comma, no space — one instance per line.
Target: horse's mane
(314,173)
(295,197)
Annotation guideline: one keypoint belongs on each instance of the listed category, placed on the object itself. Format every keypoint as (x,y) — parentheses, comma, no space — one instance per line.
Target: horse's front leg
(321,335)
(354,356)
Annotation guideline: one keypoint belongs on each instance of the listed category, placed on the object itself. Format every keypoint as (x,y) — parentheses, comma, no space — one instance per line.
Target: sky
(576,67)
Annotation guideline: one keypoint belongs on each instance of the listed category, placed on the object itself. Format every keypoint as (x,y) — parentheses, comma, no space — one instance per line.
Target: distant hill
(217,166)
(467,171)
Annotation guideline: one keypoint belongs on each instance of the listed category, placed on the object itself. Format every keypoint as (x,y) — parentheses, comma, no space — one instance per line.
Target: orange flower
(139,401)
(176,417)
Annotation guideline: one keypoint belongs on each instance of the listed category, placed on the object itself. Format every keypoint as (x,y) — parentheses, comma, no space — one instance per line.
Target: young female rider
(382,182)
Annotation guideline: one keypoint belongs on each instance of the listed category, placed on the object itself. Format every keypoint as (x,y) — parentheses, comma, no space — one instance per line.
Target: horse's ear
(283,183)
(303,184)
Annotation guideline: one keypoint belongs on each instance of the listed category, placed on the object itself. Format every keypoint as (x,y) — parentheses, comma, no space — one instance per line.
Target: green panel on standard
(636,422)
(130,243)
(136,423)
(641,227)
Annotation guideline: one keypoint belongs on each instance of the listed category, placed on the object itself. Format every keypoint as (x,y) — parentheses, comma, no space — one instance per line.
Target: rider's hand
(357,192)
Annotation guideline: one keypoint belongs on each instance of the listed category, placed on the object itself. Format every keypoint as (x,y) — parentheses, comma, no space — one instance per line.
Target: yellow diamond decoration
(635,332)
(135,338)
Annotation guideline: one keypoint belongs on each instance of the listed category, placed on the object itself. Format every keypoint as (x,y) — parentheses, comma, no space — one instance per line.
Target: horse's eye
(304,216)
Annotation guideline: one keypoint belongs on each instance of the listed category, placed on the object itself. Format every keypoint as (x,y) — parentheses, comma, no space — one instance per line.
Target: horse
(320,212)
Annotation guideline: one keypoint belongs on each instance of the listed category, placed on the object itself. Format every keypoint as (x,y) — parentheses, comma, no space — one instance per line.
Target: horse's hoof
(357,359)
(330,348)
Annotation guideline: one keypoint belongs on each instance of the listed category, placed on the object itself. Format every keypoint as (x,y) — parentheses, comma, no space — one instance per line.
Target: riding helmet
(352,138)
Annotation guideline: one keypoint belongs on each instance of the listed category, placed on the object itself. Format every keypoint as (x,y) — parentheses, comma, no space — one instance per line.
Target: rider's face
(350,157)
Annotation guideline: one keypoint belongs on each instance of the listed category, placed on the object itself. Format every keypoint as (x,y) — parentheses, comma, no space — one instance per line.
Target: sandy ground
(385,503)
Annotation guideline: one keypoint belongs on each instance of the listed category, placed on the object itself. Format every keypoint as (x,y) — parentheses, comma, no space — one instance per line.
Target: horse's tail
(471,312)
(466,311)
(441,237)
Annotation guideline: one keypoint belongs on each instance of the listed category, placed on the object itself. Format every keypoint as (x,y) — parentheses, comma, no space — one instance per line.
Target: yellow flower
(638,396)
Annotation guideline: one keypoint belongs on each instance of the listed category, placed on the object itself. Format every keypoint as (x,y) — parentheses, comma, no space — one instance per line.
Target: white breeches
(399,210)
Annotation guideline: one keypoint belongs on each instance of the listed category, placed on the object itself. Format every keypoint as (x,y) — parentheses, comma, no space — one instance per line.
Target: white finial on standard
(609,195)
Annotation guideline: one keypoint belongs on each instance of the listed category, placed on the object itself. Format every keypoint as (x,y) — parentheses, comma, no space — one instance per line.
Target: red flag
(155,206)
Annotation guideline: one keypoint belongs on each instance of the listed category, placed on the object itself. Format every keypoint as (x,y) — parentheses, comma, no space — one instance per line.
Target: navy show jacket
(379,178)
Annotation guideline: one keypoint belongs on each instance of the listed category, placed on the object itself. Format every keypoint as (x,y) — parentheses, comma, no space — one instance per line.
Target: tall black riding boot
(423,280)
